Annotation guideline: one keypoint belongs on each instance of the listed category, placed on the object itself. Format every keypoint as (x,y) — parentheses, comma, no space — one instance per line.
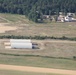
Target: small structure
(61,18)
(7,47)
(68,18)
(46,16)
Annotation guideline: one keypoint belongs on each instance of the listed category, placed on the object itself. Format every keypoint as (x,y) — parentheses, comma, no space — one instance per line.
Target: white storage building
(20,41)
(21,45)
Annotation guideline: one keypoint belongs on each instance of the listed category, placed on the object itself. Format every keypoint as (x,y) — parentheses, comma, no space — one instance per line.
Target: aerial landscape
(37,37)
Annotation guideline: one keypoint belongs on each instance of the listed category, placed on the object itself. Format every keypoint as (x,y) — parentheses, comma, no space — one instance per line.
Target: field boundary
(38,37)
(10,54)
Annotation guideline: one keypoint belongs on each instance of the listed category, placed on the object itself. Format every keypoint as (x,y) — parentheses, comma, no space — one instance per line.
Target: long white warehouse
(20,41)
(21,45)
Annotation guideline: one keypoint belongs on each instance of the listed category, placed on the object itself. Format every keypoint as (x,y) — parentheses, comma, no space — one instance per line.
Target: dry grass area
(28,28)
(52,29)
(52,48)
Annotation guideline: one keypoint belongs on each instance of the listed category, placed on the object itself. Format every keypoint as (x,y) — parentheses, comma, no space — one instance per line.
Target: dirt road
(36,69)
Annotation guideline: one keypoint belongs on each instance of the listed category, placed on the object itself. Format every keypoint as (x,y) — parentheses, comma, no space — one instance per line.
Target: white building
(21,45)
(20,41)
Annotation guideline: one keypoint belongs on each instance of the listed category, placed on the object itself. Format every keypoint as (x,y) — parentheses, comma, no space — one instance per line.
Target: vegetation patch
(37,37)
(35,56)
(37,8)
(35,61)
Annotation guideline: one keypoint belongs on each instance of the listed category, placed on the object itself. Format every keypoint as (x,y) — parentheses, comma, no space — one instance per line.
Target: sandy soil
(37,69)
(4,28)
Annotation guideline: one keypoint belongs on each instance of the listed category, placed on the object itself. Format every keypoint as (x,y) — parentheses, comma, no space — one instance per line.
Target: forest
(33,9)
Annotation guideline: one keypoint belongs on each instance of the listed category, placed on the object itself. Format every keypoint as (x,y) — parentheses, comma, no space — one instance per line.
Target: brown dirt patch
(36,69)
(4,28)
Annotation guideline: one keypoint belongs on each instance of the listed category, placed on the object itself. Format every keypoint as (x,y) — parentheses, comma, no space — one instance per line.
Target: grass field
(52,29)
(13,18)
(7,72)
(38,62)
(51,48)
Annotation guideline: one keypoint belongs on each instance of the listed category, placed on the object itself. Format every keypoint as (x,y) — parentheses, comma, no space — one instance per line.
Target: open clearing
(28,28)
(37,70)
(52,29)
(52,48)
(54,54)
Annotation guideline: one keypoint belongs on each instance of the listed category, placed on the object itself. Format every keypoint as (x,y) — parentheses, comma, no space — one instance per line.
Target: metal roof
(21,45)
(20,41)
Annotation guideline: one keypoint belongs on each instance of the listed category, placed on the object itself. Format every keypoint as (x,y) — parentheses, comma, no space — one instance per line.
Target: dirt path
(36,69)
(5,19)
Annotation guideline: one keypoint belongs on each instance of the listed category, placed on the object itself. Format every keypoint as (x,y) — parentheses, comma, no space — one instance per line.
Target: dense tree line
(33,9)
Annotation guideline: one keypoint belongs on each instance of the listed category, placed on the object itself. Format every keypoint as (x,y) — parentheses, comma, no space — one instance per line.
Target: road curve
(37,69)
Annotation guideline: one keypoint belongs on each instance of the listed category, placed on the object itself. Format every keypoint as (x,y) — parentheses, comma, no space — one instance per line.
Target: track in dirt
(36,69)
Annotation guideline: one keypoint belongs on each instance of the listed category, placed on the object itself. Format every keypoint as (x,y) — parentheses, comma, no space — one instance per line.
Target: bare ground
(37,69)
(4,28)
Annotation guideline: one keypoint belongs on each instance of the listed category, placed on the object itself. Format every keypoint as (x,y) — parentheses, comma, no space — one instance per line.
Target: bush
(74,57)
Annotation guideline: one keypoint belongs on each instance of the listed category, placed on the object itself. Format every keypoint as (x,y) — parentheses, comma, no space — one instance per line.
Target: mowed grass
(38,62)
(9,72)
